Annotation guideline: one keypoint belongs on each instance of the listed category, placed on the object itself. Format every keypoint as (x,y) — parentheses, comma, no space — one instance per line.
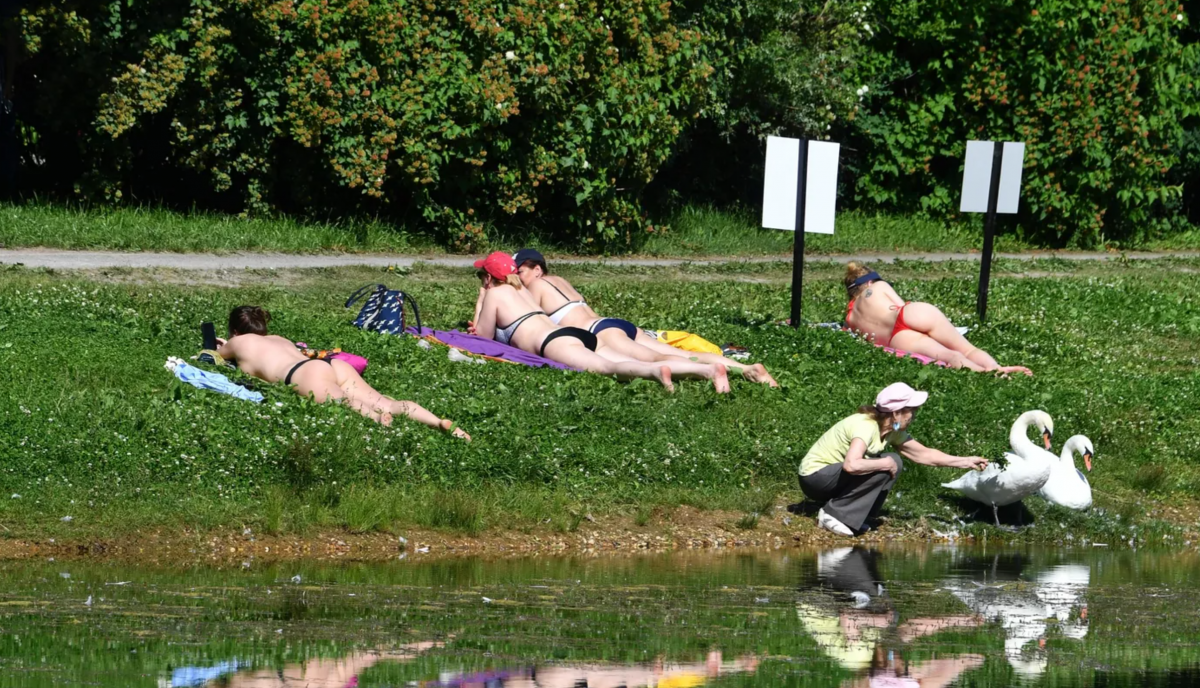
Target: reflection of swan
(1027,470)
(1023,611)
(1062,589)
(1067,486)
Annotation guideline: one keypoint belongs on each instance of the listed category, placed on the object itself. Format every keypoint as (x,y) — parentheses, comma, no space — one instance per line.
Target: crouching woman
(848,470)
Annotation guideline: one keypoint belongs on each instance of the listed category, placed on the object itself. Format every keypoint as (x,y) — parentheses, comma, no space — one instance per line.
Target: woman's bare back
(267,357)
(875,311)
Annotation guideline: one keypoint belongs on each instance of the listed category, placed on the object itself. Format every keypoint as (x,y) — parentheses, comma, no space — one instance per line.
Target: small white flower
(1179,17)
(510,55)
(562,6)
(867,28)
(586,164)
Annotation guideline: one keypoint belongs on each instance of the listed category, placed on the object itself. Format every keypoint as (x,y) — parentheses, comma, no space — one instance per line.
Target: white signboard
(820,185)
(977,177)
(820,192)
(779,184)
(1010,177)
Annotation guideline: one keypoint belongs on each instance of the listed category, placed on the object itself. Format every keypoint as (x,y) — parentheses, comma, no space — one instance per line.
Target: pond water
(844,617)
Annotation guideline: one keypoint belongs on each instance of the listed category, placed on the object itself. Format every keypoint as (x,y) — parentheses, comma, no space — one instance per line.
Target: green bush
(780,68)
(462,113)
(1099,90)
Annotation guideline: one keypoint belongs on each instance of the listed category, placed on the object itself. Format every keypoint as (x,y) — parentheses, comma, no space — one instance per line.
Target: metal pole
(798,252)
(989,231)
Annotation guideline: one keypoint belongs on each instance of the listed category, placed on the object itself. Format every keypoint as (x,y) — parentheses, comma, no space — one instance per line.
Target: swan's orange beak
(1046,436)
(1087,461)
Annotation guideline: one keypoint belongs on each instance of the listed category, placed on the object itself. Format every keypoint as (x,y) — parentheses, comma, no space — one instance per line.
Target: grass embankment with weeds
(93,428)
(693,232)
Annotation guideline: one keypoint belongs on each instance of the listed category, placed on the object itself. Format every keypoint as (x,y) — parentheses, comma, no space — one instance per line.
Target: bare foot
(1006,370)
(720,378)
(758,373)
(664,376)
(449,426)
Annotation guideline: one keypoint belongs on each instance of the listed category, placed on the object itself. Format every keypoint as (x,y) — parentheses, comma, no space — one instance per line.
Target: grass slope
(693,231)
(92,427)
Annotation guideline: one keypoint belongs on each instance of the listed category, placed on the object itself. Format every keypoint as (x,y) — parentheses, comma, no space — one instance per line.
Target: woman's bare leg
(915,342)
(679,366)
(573,353)
(381,408)
(929,320)
(756,372)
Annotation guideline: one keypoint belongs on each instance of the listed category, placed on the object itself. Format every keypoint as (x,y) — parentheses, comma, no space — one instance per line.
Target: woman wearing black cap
(619,339)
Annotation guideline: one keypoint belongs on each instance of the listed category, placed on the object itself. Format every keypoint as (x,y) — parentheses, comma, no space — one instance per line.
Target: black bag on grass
(383,310)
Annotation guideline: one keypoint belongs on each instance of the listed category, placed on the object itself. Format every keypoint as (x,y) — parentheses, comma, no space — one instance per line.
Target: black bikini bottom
(288,380)
(588,339)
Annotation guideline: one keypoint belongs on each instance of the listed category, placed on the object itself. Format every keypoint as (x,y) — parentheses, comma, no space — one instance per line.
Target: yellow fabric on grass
(688,342)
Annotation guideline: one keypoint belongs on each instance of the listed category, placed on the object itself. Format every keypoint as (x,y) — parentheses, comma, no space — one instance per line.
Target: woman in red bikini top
(878,313)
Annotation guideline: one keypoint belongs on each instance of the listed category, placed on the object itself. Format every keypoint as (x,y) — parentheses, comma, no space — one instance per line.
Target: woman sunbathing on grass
(274,358)
(502,299)
(876,311)
(566,307)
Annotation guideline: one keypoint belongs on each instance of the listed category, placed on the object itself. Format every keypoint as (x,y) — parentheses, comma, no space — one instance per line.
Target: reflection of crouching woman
(848,470)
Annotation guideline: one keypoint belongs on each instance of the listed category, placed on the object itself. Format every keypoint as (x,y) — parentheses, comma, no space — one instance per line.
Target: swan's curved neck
(1069,450)
(1018,436)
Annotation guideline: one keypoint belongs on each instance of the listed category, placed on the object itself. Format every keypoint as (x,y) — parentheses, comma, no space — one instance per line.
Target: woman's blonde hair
(854,270)
(511,280)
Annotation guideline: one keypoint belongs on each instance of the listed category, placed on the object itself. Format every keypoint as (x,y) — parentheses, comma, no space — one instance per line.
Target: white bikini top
(561,312)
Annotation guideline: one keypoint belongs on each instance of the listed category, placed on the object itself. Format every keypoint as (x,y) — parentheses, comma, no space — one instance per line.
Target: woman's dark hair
(248,320)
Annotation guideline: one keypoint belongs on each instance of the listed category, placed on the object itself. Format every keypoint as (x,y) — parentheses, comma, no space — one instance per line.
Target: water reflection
(1002,592)
(344,672)
(318,672)
(855,622)
(845,617)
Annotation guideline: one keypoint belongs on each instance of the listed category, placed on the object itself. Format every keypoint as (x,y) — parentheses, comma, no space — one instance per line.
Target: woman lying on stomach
(507,313)
(567,307)
(275,359)
(878,312)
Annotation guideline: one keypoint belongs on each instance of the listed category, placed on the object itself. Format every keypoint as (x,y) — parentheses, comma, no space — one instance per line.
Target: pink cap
(898,395)
(498,264)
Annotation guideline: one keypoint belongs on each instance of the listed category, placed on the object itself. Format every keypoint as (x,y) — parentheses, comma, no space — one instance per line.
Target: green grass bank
(693,231)
(93,428)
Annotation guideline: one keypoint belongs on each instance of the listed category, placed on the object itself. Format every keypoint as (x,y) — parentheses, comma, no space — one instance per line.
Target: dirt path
(83,260)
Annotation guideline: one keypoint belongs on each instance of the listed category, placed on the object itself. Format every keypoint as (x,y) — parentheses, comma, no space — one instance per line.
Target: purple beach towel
(488,347)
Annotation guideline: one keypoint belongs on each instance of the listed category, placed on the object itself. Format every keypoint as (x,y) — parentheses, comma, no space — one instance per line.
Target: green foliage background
(581,118)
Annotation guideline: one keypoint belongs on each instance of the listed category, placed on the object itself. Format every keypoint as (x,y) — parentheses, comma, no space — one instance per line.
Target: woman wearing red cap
(502,299)
(847,469)
(619,339)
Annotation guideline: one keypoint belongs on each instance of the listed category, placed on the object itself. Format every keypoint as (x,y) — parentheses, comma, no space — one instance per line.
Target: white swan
(1068,486)
(1027,470)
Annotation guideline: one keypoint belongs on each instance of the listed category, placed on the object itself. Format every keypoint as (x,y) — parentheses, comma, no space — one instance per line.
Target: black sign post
(798,248)
(989,232)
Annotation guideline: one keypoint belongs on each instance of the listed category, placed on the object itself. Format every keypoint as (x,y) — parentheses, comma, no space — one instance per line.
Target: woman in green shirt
(848,469)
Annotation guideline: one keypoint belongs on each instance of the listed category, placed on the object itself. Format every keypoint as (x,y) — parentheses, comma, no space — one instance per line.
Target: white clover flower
(510,55)
(867,27)
(1179,17)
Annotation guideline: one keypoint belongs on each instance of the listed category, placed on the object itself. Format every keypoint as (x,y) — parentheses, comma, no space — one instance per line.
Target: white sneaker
(832,524)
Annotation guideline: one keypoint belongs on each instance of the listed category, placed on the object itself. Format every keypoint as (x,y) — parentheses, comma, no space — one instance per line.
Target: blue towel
(214,381)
